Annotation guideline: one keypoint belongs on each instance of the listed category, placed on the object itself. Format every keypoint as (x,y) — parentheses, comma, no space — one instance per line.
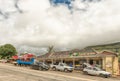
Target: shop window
(97,62)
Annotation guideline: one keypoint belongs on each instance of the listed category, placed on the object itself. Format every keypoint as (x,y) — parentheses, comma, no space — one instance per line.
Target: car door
(95,71)
(61,67)
(89,70)
(34,66)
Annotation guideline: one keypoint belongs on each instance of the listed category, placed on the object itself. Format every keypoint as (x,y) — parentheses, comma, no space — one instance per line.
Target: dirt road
(9,72)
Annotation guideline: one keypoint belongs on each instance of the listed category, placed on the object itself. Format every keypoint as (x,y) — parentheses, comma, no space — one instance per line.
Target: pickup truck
(21,62)
(61,67)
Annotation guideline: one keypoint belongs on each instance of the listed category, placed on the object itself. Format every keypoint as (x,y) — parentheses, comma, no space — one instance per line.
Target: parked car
(3,61)
(82,66)
(40,66)
(96,71)
(61,67)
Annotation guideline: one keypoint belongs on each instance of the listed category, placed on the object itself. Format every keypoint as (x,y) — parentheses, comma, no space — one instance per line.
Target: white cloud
(42,25)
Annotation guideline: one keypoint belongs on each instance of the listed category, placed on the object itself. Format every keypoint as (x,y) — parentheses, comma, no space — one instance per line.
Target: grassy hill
(115,47)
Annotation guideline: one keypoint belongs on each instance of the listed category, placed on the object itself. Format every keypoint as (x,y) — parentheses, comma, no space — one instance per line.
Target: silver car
(96,71)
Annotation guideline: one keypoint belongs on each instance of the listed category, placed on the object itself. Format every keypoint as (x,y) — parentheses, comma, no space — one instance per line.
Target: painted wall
(108,64)
(115,66)
(111,65)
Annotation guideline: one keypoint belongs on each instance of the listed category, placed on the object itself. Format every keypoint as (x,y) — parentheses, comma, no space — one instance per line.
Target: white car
(3,61)
(96,71)
(62,67)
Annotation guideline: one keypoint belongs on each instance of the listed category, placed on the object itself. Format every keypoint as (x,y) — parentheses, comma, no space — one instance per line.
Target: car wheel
(46,69)
(71,71)
(65,70)
(40,68)
(101,75)
(85,72)
(106,76)
(54,68)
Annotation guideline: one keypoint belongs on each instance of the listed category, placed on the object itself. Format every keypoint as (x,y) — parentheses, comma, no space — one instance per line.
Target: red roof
(15,57)
(28,56)
(108,53)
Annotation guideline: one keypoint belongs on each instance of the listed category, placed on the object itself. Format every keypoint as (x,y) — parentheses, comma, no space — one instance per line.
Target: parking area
(9,72)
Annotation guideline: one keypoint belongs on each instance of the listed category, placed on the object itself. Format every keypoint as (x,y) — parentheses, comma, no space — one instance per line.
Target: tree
(7,51)
(50,49)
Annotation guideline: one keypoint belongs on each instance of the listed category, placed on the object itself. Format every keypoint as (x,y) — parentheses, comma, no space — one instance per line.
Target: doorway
(91,62)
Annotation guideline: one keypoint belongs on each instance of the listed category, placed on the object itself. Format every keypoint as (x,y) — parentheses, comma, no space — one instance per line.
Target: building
(106,60)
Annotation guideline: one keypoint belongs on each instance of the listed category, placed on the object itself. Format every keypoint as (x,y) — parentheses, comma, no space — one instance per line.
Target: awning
(15,57)
(28,56)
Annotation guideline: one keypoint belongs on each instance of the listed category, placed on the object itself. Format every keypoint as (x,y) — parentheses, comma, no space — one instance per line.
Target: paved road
(9,72)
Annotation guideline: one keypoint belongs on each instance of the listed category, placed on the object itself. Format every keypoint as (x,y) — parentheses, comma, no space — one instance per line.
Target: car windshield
(65,64)
(45,63)
(38,62)
(98,69)
(42,63)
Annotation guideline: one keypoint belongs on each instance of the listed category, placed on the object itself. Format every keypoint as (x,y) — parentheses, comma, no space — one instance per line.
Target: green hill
(115,47)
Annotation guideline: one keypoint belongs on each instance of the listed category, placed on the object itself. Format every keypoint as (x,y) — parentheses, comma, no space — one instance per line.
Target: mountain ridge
(115,47)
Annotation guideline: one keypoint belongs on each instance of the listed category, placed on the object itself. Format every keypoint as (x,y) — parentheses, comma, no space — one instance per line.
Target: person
(93,65)
(71,65)
(35,61)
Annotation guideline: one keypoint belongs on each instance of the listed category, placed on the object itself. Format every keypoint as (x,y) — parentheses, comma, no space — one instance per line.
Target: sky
(41,24)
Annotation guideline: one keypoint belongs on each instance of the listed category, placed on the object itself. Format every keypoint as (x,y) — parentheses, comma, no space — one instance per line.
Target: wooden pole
(73,62)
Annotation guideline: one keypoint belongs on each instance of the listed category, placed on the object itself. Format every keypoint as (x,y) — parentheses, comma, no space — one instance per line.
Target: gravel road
(9,72)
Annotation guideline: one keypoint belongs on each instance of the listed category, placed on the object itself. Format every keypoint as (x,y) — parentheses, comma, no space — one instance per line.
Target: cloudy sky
(33,25)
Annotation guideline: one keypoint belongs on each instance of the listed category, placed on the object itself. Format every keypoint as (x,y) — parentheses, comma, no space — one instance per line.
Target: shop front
(104,60)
